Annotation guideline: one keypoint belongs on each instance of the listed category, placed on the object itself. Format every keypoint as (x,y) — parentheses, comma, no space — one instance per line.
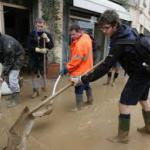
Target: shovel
(19,132)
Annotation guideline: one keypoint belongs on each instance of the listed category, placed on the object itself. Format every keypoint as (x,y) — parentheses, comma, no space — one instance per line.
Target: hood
(123,32)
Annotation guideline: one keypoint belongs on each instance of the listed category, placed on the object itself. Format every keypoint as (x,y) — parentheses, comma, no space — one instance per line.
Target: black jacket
(11,53)
(35,40)
(126,55)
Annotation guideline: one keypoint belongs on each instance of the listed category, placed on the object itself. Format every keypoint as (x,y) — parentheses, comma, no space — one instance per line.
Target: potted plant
(53,67)
(51,14)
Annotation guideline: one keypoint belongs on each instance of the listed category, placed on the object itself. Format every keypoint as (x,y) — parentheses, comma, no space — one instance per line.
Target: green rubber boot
(123,132)
(146,128)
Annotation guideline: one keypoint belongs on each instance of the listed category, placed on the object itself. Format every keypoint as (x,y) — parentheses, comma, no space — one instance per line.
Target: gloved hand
(44,36)
(76,80)
(41,50)
(63,71)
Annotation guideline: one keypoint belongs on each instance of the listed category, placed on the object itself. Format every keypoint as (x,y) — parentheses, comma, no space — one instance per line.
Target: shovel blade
(20,131)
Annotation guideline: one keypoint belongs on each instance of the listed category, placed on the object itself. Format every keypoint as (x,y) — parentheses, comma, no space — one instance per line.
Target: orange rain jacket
(81,58)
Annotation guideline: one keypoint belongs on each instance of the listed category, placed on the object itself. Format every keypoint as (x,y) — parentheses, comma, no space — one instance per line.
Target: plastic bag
(5,90)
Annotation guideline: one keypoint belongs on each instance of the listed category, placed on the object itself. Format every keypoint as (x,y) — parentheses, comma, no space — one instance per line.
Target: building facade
(140,15)
(17,19)
(86,13)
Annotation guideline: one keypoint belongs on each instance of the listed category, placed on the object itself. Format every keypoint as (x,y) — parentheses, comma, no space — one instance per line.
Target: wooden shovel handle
(48,99)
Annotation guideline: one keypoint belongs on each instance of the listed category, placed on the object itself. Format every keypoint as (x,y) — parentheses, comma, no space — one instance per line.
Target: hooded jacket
(11,53)
(126,55)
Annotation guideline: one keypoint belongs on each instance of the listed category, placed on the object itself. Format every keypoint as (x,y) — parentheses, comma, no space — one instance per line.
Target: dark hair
(75,27)
(39,20)
(109,17)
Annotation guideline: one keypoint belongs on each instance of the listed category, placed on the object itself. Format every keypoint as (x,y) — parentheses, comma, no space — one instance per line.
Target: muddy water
(84,130)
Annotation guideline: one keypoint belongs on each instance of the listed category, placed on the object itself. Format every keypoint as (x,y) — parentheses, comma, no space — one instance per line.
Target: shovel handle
(48,99)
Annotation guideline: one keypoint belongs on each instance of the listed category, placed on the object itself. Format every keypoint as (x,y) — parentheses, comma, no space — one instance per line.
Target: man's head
(109,22)
(75,32)
(39,24)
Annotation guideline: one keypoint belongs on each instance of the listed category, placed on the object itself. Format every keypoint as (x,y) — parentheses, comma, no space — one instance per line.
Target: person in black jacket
(12,58)
(137,87)
(39,42)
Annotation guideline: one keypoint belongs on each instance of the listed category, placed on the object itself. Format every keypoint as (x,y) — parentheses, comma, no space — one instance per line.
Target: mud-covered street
(87,129)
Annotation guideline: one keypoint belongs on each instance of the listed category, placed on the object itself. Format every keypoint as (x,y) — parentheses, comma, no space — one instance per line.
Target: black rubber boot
(14,100)
(123,131)
(89,97)
(146,128)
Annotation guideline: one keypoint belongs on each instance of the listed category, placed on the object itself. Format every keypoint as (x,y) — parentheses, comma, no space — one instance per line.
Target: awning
(101,5)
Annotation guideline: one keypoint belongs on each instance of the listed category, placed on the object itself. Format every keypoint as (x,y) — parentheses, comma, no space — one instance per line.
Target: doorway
(16,23)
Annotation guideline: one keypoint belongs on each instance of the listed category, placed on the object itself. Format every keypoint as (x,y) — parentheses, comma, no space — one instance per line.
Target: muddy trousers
(110,75)
(123,129)
(14,81)
(38,83)
(89,96)
(146,117)
(79,101)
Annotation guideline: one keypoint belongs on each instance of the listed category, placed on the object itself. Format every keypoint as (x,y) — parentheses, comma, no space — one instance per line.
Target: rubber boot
(89,97)
(36,93)
(123,131)
(14,100)
(79,102)
(146,128)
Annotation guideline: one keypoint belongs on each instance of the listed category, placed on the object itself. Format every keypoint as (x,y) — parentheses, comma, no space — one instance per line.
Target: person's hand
(41,50)
(44,36)
(76,80)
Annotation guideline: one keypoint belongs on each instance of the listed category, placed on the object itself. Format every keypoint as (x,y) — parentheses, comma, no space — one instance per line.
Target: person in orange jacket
(81,60)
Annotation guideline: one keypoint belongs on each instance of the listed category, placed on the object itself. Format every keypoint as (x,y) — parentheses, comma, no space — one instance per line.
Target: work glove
(76,80)
(41,50)
(44,36)
(63,71)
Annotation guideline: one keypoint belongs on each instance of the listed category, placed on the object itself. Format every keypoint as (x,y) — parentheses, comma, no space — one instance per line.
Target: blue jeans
(79,89)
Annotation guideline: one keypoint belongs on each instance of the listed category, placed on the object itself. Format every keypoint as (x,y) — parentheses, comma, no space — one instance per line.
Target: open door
(16,23)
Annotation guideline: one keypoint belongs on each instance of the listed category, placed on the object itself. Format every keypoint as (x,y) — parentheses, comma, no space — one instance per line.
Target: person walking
(81,60)
(39,42)
(137,86)
(12,58)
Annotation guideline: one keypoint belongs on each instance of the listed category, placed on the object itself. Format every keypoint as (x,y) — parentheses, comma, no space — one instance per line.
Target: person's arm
(19,57)
(48,39)
(8,57)
(105,66)
(76,59)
